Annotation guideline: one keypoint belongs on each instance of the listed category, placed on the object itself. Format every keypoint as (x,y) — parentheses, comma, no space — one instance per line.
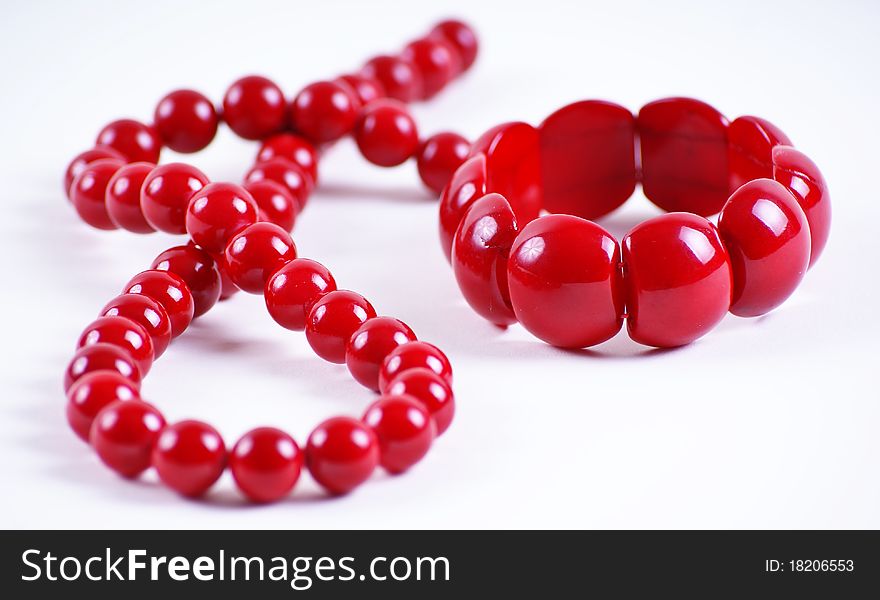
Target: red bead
(124,433)
(266,464)
(370,344)
(123,333)
(333,319)
(189,457)
(170,291)
(438,158)
(255,253)
(134,140)
(677,278)
(123,197)
(768,239)
(217,212)
(434,60)
(166,193)
(294,148)
(227,287)
(565,281)
(386,133)
(254,108)
(462,37)
(186,121)
(750,148)
(404,429)
(288,174)
(324,111)
(802,177)
(88,192)
(398,77)
(414,355)
(429,388)
(366,89)
(274,202)
(147,313)
(101,357)
(468,183)
(197,269)
(294,288)
(341,454)
(92,392)
(684,155)
(79,162)
(594,133)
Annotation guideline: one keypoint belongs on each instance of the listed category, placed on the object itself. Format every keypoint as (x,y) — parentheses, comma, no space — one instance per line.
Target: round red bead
(123,197)
(134,140)
(462,38)
(254,108)
(147,313)
(266,464)
(434,60)
(186,121)
(217,212)
(82,159)
(124,433)
(467,184)
(386,133)
(365,88)
(101,357)
(170,291)
(227,287)
(414,355)
(92,392)
(88,192)
(124,333)
(404,429)
(432,390)
(166,193)
(274,202)
(438,158)
(324,111)
(285,173)
(370,344)
(398,77)
(333,319)
(197,269)
(341,454)
(189,457)
(294,148)
(294,288)
(255,253)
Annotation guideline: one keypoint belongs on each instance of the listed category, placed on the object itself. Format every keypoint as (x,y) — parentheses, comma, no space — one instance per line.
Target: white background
(764,423)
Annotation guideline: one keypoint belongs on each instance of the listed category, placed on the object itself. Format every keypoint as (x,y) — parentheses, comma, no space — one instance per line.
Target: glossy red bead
(170,291)
(462,38)
(274,202)
(435,62)
(147,313)
(255,253)
(88,192)
(366,89)
(217,212)
(134,140)
(468,183)
(802,177)
(341,454)
(227,287)
(398,77)
(92,392)
(79,162)
(404,430)
(186,121)
(286,173)
(324,111)
(431,390)
(678,280)
(294,148)
(750,148)
(767,237)
(333,319)
(294,288)
(386,133)
(197,269)
(438,158)
(166,193)
(370,344)
(123,333)
(123,197)
(266,464)
(189,457)
(254,108)
(414,355)
(100,358)
(123,435)
(479,258)
(684,155)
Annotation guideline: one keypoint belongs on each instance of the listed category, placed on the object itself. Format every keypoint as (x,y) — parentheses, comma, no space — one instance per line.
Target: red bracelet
(566,279)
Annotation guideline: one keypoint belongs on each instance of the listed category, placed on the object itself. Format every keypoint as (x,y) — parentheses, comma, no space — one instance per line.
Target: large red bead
(678,279)
(274,202)
(147,313)
(189,456)
(468,183)
(333,319)
(341,454)
(123,435)
(79,162)
(217,212)
(294,288)
(170,291)
(123,197)
(386,133)
(479,258)
(124,333)
(399,78)
(429,388)
(802,177)
(414,355)
(101,357)
(324,111)
(197,269)
(286,173)
(767,237)
(254,108)
(92,392)
(462,38)
(255,253)
(365,88)
(266,464)
(370,344)
(750,147)
(294,148)
(684,155)
(166,193)
(404,429)
(438,158)
(134,140)
(186,121)
(434,60)
(588,161)
(88,192)
(227,287)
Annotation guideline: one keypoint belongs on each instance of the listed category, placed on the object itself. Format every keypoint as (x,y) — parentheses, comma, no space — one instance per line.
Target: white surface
(764,423)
